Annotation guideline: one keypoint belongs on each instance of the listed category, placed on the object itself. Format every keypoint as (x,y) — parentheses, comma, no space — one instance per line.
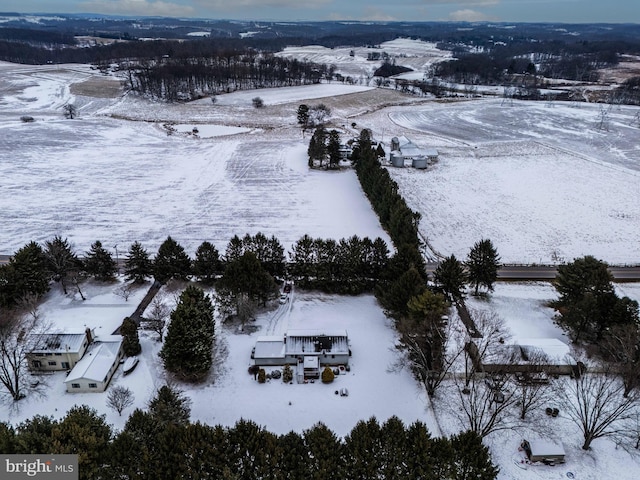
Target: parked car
(284,298)
(287,287)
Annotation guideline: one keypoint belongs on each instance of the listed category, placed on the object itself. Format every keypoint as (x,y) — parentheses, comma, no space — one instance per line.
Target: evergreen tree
(483,263)
(138,265)
(274,261)
(395,298)
(189,341)
(451,278)
(363,450)
(130,341)
(317,149)
(379,259)
(588,304)
(171,262)
(247,276)
(325,453)
(292,457)
(62,262)
(235,249)
(472,458)
(303,116)
(82,431)
(393,450)
(169,406)
(7,438)
(419,453)
(302,261)
(34,435)
(28,272)
(333,149)
(252,451)
(207,264)
(99,263)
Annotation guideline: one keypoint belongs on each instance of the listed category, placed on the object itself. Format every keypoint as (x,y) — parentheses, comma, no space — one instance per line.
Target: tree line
(185,78)
(161,442)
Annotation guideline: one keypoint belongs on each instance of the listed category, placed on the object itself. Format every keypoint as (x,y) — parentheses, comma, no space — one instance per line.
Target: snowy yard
(375,389)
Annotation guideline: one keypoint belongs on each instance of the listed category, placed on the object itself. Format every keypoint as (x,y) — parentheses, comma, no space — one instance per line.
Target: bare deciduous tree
(119,398)
(485,403)
(490,333)
(429,363)
(20,334)
(533,385)
(621,345)
(595,402)
(125,290)
(157,316)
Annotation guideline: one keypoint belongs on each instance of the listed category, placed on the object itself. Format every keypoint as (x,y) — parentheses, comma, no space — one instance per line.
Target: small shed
(543,450)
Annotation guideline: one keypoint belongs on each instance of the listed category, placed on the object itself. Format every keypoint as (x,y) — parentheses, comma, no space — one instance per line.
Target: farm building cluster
(404,152)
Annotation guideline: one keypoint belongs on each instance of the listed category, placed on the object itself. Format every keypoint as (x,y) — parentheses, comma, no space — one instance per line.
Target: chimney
(87,332)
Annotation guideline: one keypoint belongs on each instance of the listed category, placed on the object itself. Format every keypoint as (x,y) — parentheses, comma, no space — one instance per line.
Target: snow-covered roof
(300,342)
(303,332)
(557,351)
(269,347)
(410,149)
(58,342)
(311,361)
(98,360)
(541,446)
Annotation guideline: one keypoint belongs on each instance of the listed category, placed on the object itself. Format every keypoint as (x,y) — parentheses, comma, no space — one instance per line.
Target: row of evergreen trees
(33,267)
(161,443)
(352,265)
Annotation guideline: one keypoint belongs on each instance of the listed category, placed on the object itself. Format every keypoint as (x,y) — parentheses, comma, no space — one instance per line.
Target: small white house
(310,348)
(94,371)
(58,351)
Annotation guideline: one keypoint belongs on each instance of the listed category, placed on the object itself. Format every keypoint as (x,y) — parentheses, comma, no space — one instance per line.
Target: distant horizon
(274,20)
(493,11)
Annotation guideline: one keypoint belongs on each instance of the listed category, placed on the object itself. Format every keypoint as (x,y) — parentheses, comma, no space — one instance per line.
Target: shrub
(287,374)
(327,375)
(27,119)
(257,102)
(262,376)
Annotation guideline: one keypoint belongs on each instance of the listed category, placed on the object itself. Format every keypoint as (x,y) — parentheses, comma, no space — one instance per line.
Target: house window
(65,365)
(37,364)
(53,364)
(75,385)
(93,385)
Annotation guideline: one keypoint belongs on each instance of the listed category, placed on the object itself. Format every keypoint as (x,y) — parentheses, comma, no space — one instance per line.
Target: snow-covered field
(543,183)
(539,180)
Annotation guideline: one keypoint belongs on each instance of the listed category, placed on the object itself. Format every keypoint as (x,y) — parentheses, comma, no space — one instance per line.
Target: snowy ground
(543,183)
(539,180)
(375,388)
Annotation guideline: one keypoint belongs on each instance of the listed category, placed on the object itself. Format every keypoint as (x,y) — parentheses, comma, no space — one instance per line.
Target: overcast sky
(567,11)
